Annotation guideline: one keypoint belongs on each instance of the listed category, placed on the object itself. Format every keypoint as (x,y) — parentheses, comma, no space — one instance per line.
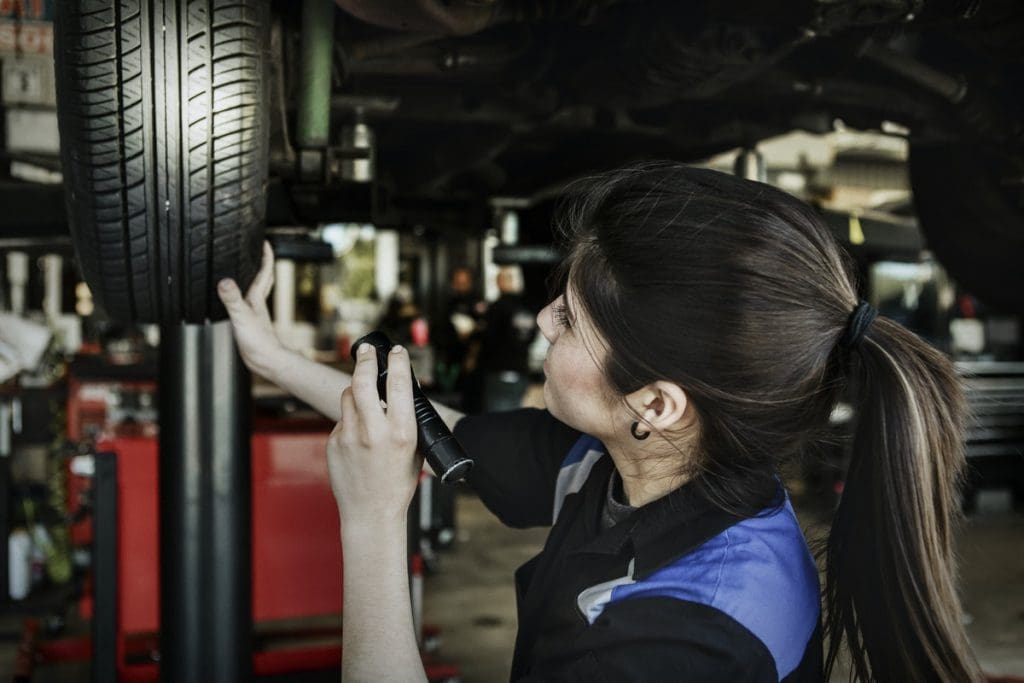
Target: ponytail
(890,590)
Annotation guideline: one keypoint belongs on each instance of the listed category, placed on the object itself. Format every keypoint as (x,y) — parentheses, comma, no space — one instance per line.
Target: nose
(546,325)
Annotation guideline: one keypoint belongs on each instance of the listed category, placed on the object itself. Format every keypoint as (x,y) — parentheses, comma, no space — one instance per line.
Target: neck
(646,474)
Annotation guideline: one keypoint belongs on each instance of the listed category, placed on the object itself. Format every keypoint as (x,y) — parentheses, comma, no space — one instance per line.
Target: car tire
(164,145)
(971,219)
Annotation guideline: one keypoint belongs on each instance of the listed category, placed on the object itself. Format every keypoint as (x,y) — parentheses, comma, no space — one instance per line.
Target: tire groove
(178,206)
(233,82)
(154,213)
(122,166)
(209,157)
(235,55)
(236,23)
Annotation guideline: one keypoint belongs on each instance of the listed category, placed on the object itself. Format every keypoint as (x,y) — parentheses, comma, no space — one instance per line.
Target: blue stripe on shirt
(579,449)
(759,572)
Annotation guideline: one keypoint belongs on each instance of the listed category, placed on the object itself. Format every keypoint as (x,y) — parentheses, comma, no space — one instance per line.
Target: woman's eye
(561,316)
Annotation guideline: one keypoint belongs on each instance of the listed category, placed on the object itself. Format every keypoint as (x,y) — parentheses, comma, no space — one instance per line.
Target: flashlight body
(439,446)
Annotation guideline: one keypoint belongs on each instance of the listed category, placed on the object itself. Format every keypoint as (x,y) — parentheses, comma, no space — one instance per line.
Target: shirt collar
(665,529)
(679,522)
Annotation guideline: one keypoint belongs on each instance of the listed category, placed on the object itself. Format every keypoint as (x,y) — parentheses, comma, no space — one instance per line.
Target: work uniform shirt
(679,590)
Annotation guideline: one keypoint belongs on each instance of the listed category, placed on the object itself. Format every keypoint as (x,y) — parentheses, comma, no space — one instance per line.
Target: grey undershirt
(614,509)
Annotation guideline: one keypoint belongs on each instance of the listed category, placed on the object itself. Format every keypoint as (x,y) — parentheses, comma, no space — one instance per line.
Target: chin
(547,398)
(550,405)
(563,418)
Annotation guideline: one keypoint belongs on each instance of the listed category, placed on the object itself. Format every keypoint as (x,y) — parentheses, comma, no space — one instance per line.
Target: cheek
(575,370)
(575,394)
(562,363)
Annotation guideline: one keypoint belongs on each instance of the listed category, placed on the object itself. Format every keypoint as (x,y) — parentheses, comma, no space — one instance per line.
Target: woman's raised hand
(371,454)
(257,341)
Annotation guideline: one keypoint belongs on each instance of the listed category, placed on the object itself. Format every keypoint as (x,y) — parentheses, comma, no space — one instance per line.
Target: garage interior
(165,511)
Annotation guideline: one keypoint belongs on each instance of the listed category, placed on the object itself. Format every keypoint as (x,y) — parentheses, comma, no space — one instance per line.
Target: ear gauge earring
(637,436)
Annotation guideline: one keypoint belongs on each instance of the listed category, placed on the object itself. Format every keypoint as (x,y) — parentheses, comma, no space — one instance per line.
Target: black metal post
(205,513)
(105,579)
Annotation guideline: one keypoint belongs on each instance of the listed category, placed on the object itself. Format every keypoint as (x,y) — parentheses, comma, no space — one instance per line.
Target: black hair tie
(857,325)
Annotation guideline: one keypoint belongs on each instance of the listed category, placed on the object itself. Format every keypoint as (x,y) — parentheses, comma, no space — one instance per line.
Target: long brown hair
(738,293)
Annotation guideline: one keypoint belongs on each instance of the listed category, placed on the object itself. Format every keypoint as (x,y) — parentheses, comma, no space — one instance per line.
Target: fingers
(231,297)
(364,388)
(268,259)
(349,417)
(263,282)
(352,428)
(256,297)
(401,415)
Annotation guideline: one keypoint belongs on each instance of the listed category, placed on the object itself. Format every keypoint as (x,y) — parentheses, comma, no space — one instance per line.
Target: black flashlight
(439,446)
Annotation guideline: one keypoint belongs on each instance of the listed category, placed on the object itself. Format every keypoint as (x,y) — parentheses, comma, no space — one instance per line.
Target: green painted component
(314,113)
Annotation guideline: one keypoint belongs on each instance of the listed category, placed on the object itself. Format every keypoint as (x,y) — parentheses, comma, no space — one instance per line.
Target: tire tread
(210,152)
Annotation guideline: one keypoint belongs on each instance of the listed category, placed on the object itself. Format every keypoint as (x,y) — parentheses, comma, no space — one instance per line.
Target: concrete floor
(471,598)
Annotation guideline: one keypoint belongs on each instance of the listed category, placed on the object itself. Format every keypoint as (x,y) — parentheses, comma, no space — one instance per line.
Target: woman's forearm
(378,640)
(317,384)
(321,385)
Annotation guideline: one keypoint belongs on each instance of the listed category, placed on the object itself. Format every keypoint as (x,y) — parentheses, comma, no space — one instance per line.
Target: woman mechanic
(704,330)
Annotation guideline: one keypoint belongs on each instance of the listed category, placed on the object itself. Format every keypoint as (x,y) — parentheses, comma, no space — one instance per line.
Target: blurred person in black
(454,336)
(399,314)
(507,331)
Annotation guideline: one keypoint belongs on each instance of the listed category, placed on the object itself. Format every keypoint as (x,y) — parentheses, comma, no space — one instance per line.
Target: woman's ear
(664,406)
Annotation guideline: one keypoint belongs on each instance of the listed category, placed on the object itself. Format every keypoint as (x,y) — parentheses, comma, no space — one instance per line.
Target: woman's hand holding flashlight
(374,468)
(371,454)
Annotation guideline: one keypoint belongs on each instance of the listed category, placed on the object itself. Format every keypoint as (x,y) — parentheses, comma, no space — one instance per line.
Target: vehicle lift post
(205,506)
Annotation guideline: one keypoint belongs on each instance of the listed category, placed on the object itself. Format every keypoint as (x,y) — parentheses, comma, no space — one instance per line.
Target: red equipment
(296,549)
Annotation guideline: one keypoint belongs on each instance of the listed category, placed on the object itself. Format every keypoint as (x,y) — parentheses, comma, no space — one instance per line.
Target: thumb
(231,297)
